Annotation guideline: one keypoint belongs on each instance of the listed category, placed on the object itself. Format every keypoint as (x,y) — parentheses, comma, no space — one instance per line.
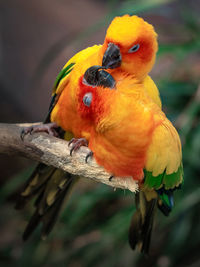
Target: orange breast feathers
(122,126)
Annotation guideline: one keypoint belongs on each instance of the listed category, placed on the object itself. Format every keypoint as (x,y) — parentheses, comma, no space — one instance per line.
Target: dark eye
(87,99)
(134,48)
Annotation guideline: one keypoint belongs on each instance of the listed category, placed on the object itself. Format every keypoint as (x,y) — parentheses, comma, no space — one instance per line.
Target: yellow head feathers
(127,29)
(137,42)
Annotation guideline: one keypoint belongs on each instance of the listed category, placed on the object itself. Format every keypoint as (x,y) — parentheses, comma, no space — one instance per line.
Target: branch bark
(55,152)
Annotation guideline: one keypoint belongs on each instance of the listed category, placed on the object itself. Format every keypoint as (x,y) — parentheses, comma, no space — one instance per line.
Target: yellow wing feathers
(164,152)
(152,90)
(81,62)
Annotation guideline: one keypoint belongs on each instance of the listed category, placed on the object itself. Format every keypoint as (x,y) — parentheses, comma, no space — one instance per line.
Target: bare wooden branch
(55,152)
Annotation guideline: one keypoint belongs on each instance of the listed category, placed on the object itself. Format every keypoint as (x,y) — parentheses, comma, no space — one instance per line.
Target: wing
(61,79)
(162,175)
(164,169)
(164,158)
(152,90)
(66,73)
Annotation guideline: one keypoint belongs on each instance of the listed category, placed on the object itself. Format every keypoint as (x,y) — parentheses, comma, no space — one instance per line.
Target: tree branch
(55,152)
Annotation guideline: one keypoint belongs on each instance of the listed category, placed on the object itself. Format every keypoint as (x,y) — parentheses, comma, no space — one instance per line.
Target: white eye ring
(87,99)
(134,48)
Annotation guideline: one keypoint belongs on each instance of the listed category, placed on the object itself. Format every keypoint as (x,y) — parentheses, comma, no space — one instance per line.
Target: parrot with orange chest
(131,137)
(130,48)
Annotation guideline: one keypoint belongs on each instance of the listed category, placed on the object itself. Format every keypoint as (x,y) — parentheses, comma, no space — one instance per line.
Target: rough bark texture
(55,152)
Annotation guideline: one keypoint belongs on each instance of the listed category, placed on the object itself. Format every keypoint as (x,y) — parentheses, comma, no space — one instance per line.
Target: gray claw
(89,155)
(77,143)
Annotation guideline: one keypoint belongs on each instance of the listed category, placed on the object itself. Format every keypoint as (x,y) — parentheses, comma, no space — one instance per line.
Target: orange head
(93,102)
(131,44)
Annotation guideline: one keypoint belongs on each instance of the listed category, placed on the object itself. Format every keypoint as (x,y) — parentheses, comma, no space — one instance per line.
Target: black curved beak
(97,76)
(112,57)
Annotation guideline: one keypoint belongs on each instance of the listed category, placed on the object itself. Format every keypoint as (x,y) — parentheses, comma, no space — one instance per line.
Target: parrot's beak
(112,57)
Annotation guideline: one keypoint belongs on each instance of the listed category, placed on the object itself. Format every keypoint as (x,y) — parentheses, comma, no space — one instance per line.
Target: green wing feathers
(168,181)
(62,76)
(164,184)
(63,73)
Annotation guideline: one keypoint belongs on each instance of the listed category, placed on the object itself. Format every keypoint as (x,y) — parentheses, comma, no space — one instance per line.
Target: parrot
(130,47)
(135,43)
(131,136)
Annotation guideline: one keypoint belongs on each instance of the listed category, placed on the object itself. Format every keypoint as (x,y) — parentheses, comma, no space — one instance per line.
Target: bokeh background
(36,39)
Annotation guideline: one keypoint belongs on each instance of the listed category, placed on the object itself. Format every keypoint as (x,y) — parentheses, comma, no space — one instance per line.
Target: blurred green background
(36,39)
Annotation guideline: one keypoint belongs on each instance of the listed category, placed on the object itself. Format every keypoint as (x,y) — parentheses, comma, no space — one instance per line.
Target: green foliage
(93,228)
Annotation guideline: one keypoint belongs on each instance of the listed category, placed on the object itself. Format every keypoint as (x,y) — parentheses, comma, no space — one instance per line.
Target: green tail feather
(142,223)
(51,187)
(36,182)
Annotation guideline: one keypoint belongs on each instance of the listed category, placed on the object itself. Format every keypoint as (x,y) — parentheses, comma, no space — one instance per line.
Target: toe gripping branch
(54,130)
(76,144)
(89,155)
(49,128)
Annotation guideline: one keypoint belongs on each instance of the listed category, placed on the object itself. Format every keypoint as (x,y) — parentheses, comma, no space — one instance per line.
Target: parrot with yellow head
(128,54)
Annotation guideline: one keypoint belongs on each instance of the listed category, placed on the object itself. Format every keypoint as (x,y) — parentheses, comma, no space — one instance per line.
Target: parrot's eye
(87,99)
(134,48)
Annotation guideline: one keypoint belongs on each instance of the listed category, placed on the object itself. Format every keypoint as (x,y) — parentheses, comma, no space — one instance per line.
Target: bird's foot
(77,143)
(47,128)
(110,178)
(89,155)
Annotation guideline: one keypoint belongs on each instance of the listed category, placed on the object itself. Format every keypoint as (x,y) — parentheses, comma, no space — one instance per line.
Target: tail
(142,223)
(142,220)
(51,187)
